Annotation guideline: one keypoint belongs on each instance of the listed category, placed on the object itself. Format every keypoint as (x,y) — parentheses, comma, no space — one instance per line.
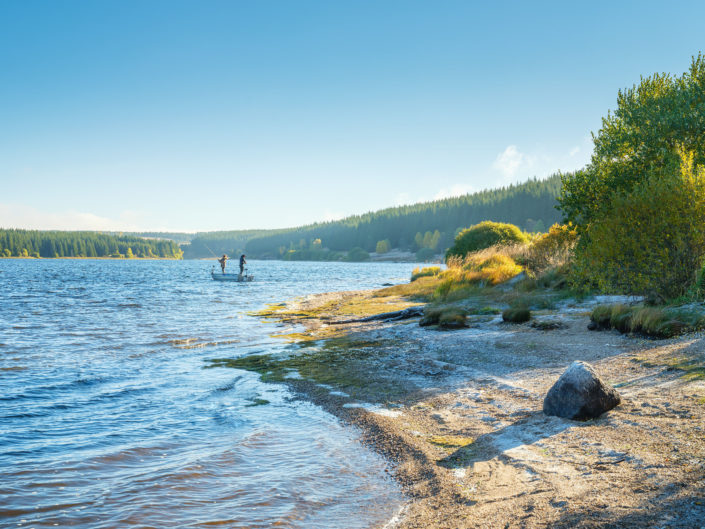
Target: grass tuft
(655,322)
(621,318)
(425,272)
(517,314)
(446,317)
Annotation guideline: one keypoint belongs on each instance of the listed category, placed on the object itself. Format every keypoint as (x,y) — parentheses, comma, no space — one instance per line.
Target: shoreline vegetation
(452,395)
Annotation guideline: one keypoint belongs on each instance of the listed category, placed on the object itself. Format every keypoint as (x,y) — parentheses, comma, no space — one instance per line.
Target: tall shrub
(553,249)
(484,235)
(651,240)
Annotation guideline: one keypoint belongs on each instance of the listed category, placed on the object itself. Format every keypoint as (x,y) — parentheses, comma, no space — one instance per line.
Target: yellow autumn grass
(490,266)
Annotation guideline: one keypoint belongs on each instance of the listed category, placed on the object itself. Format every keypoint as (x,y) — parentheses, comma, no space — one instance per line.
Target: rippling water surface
(108,419)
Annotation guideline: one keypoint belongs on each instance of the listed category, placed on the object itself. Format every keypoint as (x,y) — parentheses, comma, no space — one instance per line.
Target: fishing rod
(211,251)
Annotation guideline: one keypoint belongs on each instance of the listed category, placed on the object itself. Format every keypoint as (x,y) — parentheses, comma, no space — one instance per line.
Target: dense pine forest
(176,236)
(33,243)
(208,244)
(427,228)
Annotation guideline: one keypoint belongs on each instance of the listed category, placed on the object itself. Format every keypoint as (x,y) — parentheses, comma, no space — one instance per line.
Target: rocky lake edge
(459,413)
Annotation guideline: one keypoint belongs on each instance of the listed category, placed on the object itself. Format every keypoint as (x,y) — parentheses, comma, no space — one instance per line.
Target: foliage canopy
(640,203)
(639,140)
(651,241)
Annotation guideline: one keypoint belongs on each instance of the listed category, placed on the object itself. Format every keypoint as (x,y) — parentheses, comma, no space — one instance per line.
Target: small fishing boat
(238,278)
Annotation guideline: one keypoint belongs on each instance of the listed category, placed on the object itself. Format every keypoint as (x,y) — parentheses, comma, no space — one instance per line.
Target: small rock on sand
(579,394)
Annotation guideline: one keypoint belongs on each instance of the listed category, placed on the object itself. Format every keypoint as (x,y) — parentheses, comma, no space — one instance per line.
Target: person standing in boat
(242,263)
(222,262)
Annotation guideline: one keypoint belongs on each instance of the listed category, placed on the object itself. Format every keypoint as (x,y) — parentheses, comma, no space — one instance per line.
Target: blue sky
(205,115)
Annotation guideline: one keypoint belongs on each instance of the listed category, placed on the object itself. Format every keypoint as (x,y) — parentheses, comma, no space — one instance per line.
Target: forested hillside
(176,236)
(33,243)
(428,226)
(209,244)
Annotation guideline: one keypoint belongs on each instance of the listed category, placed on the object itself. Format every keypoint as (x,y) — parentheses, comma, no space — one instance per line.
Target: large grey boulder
(579,394)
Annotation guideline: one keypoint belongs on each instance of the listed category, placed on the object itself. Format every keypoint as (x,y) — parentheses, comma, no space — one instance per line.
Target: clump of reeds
(428,271)
(446,317)
(656,322)
(518,314)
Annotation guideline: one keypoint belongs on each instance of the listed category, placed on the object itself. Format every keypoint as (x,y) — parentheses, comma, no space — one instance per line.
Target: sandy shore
(459,415)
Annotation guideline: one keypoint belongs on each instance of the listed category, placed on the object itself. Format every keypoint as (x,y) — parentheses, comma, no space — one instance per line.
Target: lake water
(109,419)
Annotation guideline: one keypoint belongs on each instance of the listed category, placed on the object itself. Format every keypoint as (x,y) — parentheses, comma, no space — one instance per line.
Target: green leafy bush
(639,205)
(357,255)
(640,137)
(651,241)
(383,246)
(699,287)
(484,235)
(551,250)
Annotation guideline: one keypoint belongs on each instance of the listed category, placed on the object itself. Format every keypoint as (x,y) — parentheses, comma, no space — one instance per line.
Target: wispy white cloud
(21,216)
(454,191)
(402,199)
(509,161)
(332,215)
(515,165)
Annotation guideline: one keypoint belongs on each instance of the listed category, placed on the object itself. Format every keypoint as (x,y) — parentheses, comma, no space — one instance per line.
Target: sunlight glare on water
(109,419)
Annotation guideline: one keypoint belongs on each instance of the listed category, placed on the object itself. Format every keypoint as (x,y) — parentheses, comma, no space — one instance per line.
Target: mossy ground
(257,402)
(690,365)
(450,441)
(693,367)
(342,307)
(345,363)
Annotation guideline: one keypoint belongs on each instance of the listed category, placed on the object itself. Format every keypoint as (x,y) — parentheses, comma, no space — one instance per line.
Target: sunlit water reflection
(108,418)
